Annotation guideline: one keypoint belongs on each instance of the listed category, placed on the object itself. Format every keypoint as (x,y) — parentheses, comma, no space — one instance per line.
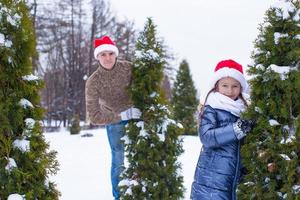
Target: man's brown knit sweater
(106,93)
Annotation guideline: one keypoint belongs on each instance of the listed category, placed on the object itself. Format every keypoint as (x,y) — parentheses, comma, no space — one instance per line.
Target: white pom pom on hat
(229,68)
(104,44)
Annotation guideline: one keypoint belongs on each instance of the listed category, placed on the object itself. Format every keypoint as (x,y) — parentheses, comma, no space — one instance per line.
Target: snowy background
(85,164)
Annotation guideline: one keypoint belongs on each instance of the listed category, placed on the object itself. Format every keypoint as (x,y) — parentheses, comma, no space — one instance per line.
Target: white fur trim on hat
(229,72)
(105,47)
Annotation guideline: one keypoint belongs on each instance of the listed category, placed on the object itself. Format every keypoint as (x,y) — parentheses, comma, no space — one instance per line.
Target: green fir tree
(184,99)
(152,145)
(25,161)
(271,151)
(75,125)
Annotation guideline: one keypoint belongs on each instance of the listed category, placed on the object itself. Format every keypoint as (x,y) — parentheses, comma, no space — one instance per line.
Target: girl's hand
(242,127)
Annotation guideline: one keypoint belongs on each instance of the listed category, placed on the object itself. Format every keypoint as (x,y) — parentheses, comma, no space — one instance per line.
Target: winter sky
(201,31)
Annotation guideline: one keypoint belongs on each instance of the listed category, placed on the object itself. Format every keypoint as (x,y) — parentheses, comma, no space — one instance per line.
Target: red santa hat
(104,44)
(229,68)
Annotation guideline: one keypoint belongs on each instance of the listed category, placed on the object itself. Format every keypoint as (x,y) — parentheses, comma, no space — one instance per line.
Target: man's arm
(97,111)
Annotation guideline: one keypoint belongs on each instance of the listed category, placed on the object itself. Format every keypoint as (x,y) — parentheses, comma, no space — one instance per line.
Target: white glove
(131,113)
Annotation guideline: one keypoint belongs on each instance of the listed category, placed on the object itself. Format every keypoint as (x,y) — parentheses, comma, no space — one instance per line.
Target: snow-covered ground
(85,164)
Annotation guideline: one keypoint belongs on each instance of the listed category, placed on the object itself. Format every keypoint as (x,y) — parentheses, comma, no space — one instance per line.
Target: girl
(221,129)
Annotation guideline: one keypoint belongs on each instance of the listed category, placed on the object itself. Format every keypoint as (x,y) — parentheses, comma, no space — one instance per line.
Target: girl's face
(107,59)
(229,87)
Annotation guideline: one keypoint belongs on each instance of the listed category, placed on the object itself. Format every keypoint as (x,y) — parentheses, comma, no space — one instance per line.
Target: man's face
(107,59)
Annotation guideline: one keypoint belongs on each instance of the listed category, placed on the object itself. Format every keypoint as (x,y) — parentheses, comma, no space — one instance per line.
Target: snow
(278,36)
(296,189)
(3,42)
(129,183)
(11,18)
(29,123)
(23,145)
(297,17)
(143,133)
(126,140)
(260,67)
(162,137)
(259,110)
(285,157)
(25,103)
(282,195)
(15,197)
(11,164)
(153,94)
(85,164)
(8,43)
(273,122)
(267,180)
(164,128)
(291,135)
(149,54)
(249,183)
(285,8)
(281,70)
(14,20)
(290,139)
(30,77)
(2,39)
(85,77)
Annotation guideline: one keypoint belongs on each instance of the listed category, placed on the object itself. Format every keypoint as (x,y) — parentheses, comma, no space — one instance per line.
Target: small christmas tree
(25,162)
(184,99)
(152,144)
(271,153)
(75,125)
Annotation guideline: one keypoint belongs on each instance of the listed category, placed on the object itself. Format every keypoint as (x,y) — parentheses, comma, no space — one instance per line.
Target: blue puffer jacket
(218,167)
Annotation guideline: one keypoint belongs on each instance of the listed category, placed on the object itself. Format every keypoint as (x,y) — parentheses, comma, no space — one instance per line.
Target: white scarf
(220,101)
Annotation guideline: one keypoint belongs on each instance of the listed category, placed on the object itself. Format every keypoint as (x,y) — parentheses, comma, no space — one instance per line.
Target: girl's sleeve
(212,136)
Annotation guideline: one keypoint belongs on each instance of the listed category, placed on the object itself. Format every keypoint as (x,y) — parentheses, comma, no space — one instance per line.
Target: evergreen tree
(184,99)
(25,162)
(152,144)
(272,149)
(75,125)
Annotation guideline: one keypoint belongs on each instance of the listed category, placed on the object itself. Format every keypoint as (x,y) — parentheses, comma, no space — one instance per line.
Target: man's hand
(131,113)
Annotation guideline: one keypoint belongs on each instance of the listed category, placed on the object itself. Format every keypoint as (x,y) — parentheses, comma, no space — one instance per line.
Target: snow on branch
(285,157)
(23,145)
(149,54)
(16,197)
(11,164)
(129,183)
(4,42)
(25,103)
(291,135)
(29,123)
(284,8)
(278,36)
(273,122)
(296,189)
(281,70)
(30,77)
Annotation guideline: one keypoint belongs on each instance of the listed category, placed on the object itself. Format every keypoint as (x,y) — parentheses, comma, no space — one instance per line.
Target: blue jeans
(114,133)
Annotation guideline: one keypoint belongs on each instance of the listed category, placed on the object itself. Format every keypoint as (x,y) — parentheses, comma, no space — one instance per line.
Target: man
(108,102)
